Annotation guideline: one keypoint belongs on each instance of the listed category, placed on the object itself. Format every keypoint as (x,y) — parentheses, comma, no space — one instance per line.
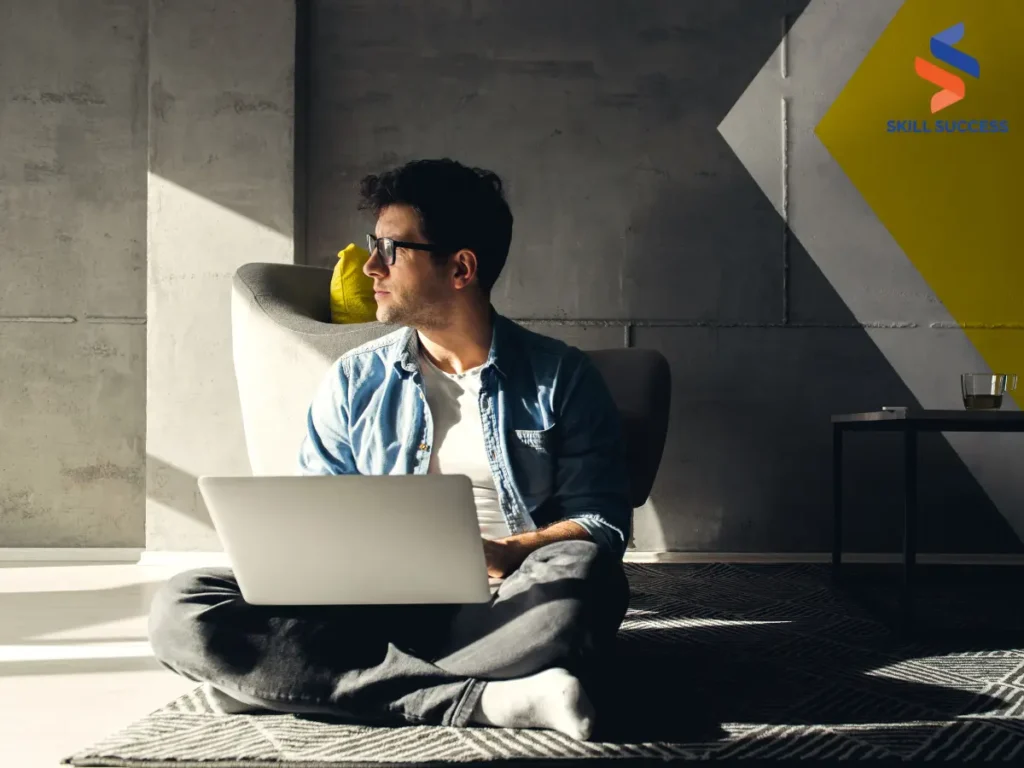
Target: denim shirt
(551,429)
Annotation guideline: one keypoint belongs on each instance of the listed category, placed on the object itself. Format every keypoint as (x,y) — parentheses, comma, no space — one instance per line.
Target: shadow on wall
(616,170)
(169,485)
(747,467)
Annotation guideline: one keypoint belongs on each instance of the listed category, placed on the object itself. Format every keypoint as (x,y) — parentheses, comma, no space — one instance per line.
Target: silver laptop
(350,539)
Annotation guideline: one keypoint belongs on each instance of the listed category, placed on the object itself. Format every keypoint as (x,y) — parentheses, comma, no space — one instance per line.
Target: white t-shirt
(454,400)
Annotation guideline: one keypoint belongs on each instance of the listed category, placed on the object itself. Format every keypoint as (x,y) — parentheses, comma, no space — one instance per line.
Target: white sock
(550,699)
(225,704)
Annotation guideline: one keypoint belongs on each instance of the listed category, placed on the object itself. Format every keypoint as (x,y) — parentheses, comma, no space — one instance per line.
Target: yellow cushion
(351,291)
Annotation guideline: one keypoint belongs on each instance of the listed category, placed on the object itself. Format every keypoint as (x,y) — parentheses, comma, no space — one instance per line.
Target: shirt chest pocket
(533,462)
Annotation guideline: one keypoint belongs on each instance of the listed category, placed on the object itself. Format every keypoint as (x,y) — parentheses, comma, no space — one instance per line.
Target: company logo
(952,90)
(953,87)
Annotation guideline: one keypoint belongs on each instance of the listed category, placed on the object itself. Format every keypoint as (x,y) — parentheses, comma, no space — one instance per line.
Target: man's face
(414,291)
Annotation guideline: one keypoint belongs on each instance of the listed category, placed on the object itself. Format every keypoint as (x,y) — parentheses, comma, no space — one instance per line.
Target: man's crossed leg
(522,660)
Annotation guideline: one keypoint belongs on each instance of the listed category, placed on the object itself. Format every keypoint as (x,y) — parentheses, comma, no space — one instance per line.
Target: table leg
(837,500)
(909,519)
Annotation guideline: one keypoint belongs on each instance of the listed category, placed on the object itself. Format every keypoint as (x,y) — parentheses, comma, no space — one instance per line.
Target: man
(459,390)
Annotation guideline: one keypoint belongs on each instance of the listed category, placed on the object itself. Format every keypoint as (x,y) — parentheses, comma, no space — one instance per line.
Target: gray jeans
(393,664)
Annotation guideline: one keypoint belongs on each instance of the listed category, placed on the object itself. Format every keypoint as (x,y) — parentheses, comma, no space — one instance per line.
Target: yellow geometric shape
(952,201)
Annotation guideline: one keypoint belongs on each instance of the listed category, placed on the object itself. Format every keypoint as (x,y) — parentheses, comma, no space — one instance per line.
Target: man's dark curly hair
(459,207)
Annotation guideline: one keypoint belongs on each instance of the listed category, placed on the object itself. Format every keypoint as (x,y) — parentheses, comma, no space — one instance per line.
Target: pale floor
(75,665)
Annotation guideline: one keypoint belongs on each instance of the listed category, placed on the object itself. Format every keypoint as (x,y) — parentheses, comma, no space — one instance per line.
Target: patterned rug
(717,663)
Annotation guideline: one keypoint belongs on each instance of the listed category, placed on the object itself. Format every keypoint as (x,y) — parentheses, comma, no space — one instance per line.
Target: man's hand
(502,557)
(505,555)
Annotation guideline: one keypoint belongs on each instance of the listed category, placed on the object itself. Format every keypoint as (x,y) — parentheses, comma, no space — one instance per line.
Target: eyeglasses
(388,247)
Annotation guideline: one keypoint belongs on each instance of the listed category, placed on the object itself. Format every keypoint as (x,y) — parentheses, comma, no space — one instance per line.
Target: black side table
(909,423)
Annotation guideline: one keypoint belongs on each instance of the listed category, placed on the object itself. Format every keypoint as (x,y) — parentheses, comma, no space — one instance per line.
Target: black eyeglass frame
(383,244)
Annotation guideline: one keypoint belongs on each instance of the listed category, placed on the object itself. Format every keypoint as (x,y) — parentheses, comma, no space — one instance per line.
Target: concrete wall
(72,273)
(635,219)
(89,455)
(636,222)
(220,195)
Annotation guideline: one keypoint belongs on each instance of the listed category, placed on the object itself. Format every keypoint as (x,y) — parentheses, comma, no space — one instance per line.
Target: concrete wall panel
(72,452)
(72,272)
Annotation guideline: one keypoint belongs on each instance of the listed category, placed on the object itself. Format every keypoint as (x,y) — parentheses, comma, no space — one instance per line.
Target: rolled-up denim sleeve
(326,449)
(592,483)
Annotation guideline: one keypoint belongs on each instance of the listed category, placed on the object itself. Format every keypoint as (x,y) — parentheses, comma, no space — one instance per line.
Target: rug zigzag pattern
(781,666)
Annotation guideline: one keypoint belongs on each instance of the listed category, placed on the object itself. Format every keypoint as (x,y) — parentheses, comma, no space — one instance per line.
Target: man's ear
(465,268)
